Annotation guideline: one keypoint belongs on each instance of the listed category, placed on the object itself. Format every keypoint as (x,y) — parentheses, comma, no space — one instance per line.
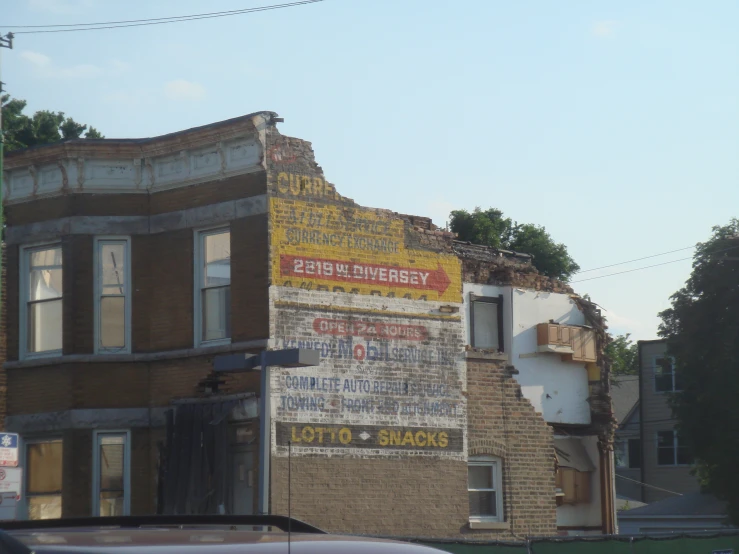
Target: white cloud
(638,328)
(61,6)
(180,89)
(35,58)
(45,68)
(604,28)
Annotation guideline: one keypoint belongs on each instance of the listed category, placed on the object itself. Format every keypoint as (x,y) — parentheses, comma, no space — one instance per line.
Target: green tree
(491,228)
(624,355)
(43,127)
(702,332)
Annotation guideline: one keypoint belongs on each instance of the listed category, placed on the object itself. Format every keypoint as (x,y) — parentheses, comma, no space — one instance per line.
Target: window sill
(41,355)
(490,525)
(215,342)
(485,355)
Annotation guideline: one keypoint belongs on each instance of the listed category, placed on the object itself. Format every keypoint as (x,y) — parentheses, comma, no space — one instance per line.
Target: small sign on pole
(8,506)
(11,479)
(8,450)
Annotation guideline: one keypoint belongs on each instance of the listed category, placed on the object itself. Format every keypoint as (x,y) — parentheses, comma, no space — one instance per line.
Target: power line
(174,17)
(646,485)
(630,270)
(637,259)
(154,21)
(649,266)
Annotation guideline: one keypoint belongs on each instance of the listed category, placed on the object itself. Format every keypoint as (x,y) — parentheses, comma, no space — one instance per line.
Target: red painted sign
(367,274)
(369,329)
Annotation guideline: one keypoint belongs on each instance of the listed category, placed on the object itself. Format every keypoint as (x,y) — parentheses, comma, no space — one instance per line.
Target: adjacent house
(628,444)
(666,463)
(459,393)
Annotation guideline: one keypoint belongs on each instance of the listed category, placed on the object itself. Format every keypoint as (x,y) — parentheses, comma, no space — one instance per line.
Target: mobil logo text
(376,351)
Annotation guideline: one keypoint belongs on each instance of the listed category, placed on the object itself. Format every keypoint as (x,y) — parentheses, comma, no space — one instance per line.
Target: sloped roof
(690,504)
(625,395)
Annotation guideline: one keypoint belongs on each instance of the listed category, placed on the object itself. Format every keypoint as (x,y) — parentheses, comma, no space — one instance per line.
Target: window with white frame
(44,478)
(486,322)
(213,286)
(41,297)
(669,450)
(484,487)
(111,460)
(112,295)
(665,378)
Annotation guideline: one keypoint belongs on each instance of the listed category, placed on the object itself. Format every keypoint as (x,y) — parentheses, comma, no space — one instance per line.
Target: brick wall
(169,302)
(10,299)
(503,423)
(78,314)
(89,385)
(249,278)
(379,489)
(395,496)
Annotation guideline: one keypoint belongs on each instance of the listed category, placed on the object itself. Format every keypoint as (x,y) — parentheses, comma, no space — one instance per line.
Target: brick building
(458,393)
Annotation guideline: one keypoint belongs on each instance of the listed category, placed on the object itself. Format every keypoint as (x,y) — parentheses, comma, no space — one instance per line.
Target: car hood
(203,541)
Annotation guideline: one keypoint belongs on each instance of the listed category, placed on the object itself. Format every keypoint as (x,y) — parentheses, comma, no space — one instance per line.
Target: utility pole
(5,42)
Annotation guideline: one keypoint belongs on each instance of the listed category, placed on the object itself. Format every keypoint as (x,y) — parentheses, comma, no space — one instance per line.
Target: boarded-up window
(44,479)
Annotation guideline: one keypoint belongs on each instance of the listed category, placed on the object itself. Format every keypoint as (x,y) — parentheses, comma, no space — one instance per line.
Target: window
(112,295)
(111,473)
(669,450)
(485,489)
(628,453)
(44,479)
(41,293)
(486,322)
(213,286)
(665,378)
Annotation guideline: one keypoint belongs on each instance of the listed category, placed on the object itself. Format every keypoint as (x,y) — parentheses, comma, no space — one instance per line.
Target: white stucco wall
(584,515)
(540,375)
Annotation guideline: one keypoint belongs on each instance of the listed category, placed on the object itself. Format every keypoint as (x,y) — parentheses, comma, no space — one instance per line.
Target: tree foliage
(623,353)
(702,332)
(43,127)
(491,228)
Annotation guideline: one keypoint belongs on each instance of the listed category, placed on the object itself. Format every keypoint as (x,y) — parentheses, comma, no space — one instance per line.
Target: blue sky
(613,124)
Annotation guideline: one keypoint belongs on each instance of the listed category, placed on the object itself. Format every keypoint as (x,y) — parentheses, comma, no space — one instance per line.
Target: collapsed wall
(385,426)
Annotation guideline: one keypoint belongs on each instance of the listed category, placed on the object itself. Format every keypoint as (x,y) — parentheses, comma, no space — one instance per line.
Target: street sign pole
(291,357)
(265,435)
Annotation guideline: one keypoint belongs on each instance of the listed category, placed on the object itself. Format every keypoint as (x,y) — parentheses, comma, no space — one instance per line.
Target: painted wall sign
(318,246)
(369,436)
(385,371)
(347,283)
(368,329)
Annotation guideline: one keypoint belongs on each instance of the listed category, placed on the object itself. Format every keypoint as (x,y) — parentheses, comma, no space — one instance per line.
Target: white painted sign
(8,506)
(11,480)
(8,449)
(389,382)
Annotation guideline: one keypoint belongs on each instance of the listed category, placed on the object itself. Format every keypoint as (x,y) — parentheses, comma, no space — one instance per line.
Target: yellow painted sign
(357,250)
(351,436)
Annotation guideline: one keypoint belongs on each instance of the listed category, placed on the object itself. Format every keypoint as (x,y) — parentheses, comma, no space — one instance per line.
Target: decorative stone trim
(144,357)
(487,447)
